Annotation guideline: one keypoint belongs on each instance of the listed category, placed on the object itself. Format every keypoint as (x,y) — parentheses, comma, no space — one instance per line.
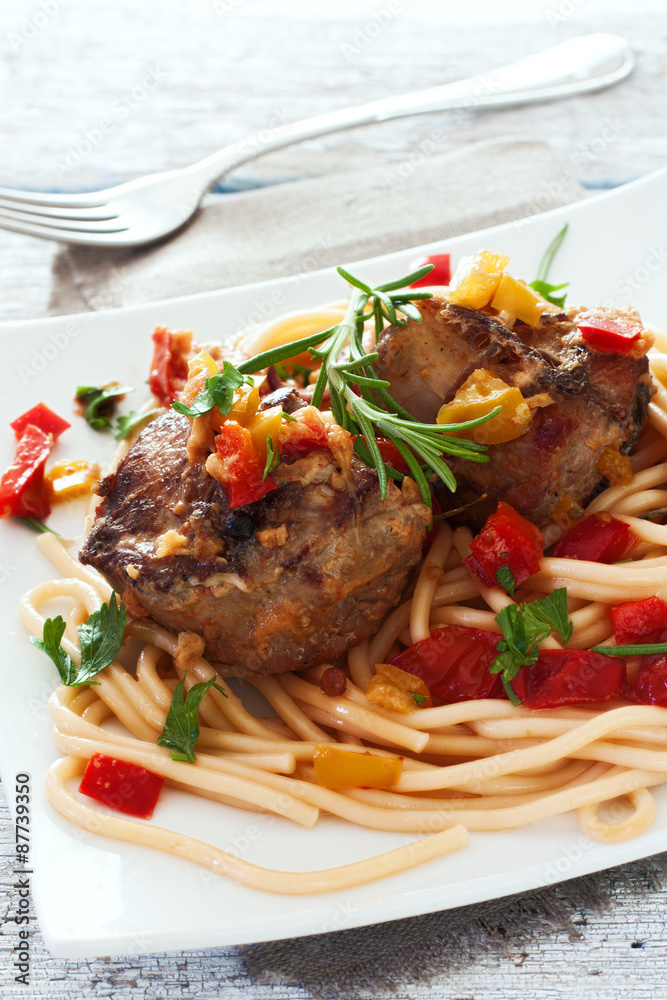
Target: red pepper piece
(44,418)
(570,677)
(597,538)
(23,492)
(610,336)
(126,787)
(392,456)
(169,367)
(441,273)
(507,539)
(650,684)
(638,620)
(454,663)
(242,467)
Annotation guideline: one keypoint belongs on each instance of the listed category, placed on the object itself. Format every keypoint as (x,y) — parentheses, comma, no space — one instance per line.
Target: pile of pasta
(471,766)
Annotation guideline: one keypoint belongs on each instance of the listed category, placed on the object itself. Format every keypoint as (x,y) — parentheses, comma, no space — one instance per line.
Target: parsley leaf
(99,401)
(127,424)
(552,610)
(506,578)
(419,698)
(54,629)
(546,290)
(181,728)
(218,391)
(100,639)
(523,628)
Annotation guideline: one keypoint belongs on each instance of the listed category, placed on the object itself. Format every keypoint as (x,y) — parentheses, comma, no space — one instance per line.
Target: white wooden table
(172,82)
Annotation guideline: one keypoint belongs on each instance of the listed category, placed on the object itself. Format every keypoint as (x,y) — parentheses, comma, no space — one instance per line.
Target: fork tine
(65,230)
(33,213)
(94,199)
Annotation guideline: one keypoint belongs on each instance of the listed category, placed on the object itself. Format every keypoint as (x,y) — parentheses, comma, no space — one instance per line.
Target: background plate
(97,897)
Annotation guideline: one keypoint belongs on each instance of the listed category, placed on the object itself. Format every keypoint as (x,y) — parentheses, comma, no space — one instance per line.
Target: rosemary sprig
(356,391)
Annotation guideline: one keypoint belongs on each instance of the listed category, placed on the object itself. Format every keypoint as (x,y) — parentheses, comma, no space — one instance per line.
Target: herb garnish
(506,578)
(181,727)
(36,525)
(100,639)
(541,285)
(127,424)
(524,627)
(218,391)
(272,458)
(355,389)
(639,649)
(99,402)
(419,698)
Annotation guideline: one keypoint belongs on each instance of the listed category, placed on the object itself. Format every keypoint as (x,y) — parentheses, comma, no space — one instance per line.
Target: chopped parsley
(100,639)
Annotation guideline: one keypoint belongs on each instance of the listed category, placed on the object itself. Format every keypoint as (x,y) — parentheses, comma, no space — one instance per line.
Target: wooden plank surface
(95,92)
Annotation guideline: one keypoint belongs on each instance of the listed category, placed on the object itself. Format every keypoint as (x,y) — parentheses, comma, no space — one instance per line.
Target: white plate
(98,897)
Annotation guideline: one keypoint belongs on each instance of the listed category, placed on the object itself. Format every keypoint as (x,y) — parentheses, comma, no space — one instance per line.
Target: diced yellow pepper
(336,768)
(481,392)
(614,466)
(567,511)
(70,480)
(264,425)
(397,689)
(200,368)
(476,279)
(519,300)
(245,405)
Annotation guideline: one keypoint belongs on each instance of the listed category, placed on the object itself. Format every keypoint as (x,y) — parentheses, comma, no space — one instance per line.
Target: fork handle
(579,65)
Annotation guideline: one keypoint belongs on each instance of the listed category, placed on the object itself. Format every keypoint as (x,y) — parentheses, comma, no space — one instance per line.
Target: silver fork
(146,209)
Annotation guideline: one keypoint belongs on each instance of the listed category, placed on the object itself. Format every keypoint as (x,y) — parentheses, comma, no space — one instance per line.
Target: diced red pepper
(123,786)
(454,663)
(392,456)
(638,621)
(23,491)
(242,467)
(441,273)
(507,539)
(44,418)
(650,684)
(569,677)
(597,538)
(169,367)
(610,336)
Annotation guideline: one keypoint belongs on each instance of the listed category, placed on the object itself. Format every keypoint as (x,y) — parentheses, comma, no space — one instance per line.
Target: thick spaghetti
(471,766)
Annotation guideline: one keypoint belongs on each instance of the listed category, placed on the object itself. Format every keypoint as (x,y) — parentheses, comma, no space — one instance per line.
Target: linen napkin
(304,225)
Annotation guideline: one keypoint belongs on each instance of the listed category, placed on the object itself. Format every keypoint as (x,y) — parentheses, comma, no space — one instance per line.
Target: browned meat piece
(598,400)
(289,581)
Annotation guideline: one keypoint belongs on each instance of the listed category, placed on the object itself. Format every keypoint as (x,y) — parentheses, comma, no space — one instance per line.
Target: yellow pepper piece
(264,425)
(566,511)
(336,768)
(519,300)
(70,480)
(481,392)
(396,689)
(476,279)
(614,466)
(245,405)
(200,368)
